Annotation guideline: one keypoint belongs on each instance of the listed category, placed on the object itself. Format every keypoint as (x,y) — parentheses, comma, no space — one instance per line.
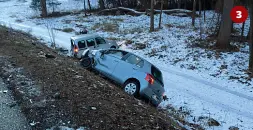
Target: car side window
(132,59)
(90,42)
(100,40)
(81,44)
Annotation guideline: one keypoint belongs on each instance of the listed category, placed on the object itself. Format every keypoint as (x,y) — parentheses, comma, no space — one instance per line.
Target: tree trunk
(223,41)
(179,4)
(185,3)
(204,10)
(160,19)
(232,27)
(89,4)
(242,32)
(166,4)
(251,38)
(200,8)
(101,4)
(248,35)
(84,7)
(152,28)
(43,5)
(193,12)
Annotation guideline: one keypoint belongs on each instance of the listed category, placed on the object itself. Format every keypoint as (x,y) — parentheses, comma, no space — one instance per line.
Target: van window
(90,42)
(100,40)
(157,74)
(81,44)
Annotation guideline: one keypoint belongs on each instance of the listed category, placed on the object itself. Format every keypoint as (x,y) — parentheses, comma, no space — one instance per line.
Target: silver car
(92,41)
(138,76)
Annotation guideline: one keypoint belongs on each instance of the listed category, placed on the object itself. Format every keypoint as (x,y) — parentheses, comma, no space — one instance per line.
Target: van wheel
(132,87)
(86,62)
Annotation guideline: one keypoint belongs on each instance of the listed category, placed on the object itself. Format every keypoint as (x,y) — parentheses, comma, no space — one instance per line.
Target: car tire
(132,87)
(86,62)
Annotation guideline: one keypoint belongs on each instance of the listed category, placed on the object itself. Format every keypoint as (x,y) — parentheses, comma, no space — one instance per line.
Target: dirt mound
(70,95)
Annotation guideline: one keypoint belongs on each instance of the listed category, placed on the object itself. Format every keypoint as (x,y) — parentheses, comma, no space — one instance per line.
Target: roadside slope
(70,95)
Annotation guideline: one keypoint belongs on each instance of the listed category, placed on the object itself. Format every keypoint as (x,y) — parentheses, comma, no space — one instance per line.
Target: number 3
(239,14)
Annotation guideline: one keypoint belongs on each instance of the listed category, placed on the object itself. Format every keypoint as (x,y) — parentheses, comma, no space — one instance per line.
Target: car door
(107,62)
(127,68)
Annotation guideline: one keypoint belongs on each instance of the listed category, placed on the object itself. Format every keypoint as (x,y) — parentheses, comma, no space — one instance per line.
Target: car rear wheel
(132,87)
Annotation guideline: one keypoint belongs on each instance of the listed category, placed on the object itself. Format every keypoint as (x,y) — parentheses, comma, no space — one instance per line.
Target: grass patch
(68,30)
(19,21)
(118,19)
(106,26)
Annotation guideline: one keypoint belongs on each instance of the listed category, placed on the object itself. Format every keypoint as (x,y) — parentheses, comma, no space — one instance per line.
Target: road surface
(11,117)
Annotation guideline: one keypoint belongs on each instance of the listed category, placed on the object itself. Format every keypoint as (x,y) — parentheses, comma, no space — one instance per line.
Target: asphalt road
(11,117)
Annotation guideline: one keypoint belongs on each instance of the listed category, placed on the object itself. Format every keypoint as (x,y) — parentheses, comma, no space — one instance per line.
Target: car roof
(135,55)
(84,36)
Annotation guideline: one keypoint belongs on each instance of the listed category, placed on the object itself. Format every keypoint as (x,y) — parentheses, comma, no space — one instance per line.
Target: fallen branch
(120,11)
(123,11)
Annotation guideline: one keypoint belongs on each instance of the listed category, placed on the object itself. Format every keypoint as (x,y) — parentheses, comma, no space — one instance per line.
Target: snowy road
(211,98)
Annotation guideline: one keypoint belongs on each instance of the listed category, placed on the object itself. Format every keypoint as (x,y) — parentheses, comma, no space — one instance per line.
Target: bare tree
(89,4)
(166,4)
(101,4)
(152,28)
(251,38)
(51,32)
(242,32)
(204,10)
(179,4)
(84,7)
(185,4)
(43,5)
(200,8)
(223,41)
(161,12)
(193,13)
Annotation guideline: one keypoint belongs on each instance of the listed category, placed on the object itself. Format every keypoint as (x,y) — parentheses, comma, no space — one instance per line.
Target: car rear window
(157,74)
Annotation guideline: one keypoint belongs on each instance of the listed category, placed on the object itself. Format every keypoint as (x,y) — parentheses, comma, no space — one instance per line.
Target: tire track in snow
(206,98)
(207,83)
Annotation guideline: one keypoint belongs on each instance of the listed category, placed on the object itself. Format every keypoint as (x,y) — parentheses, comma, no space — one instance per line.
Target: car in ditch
(92,41)
(137,76)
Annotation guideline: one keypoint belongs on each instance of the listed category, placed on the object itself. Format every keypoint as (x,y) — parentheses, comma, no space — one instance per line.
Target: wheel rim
(130,88)
(86,63)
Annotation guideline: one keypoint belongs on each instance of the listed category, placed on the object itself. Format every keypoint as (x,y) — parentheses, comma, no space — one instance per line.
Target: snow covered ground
(201,81)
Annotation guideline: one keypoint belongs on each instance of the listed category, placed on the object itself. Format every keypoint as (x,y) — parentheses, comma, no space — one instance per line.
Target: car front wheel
(132,88)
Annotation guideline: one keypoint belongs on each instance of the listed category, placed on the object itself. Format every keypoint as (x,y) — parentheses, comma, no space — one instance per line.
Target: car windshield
(157,74)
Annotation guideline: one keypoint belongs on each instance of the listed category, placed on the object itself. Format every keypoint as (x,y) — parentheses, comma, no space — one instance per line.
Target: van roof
(84,36)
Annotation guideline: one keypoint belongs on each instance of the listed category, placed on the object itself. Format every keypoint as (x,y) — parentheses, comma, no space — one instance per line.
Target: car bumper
(152,96)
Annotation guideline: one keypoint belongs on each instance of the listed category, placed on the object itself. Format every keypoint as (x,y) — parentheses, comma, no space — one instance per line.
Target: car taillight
(75,49)
(149,78)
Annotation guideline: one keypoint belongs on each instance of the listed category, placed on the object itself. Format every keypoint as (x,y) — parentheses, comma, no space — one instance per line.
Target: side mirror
(102,54)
